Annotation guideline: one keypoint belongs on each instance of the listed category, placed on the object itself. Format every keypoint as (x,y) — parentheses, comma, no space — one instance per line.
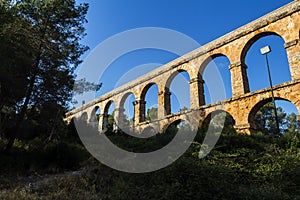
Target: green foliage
(39,51)
(62,155)
(151,114)
(14,55)
(266,124)
(43,38)
(43,156)
(239,167)
(239,172)
(139,145)
(82,86)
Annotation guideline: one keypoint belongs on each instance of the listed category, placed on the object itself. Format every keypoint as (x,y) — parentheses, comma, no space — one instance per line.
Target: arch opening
(84,117)
(108,116)
(217,78)
(178,86)
(263,119)
(95,115)
(126,118)
(150,97)
(257,65)
(175,125)
(218,120)
(171,130)
(148,131)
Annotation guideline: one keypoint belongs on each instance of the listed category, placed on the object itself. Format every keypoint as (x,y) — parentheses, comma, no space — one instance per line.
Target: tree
(266,123)
(15,58)
(292,125)
(151,114)
(14,55)
(222,121)
(184,108)
(51,32)
(81,86)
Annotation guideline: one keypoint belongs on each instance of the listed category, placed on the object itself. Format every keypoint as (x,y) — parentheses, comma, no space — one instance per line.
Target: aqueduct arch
(259,104)
(256,61)
(250,42)
(174,95)
(209,116)
(284,22)
(84,117)
(210,62)
(93,116)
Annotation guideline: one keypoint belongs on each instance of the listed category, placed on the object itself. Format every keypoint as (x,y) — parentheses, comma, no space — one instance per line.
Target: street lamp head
(265,50)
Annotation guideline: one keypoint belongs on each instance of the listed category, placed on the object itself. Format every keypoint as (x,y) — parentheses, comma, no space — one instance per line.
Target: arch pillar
(245,129)
(93,121)
(239,79)
(119,119)
(139,111)
(196,93)
(293,54)
(164,103)
(100,123)
(103,122)
(297,104)
(84,117)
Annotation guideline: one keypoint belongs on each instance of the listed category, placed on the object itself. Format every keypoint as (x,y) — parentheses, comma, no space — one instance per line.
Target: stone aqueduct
(283,22)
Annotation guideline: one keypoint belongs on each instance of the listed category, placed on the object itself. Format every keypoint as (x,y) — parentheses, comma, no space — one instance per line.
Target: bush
(63,155)
(239,167)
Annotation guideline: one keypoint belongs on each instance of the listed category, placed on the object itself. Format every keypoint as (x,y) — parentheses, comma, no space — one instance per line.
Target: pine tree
(51,32)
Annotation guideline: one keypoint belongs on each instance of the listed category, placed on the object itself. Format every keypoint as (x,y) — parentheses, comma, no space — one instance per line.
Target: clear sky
(203,21)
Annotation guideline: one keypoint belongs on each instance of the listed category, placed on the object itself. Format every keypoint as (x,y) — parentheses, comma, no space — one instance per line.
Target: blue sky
(203,21)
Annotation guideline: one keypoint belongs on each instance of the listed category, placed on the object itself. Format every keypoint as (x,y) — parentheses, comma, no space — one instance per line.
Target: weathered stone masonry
(284,22)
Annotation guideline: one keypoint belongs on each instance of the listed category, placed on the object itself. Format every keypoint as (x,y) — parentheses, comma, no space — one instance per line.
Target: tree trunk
(22,114)
(1,104)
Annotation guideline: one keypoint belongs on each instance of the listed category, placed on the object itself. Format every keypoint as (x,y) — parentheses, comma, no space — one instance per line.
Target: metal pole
(273,99)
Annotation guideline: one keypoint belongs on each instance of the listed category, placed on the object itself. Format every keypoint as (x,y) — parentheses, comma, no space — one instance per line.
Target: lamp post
(264,51)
